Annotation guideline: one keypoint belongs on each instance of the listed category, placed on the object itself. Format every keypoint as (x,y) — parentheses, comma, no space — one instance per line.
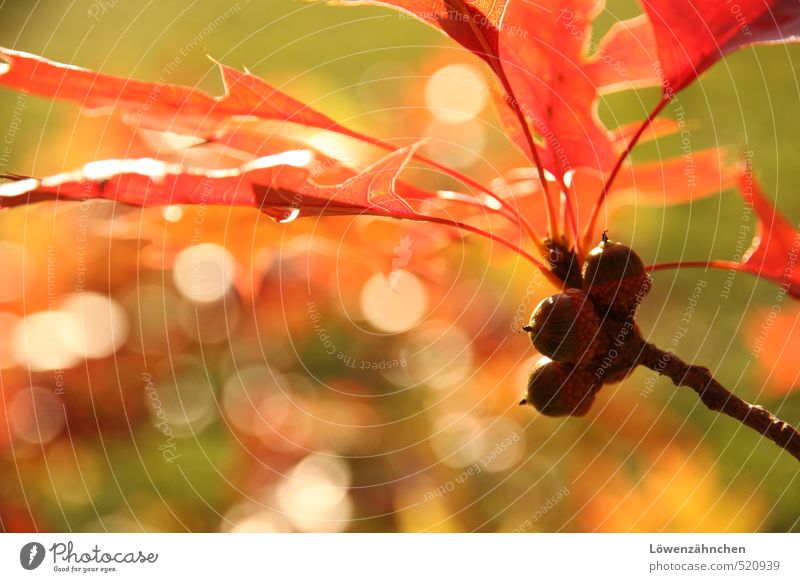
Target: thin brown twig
(716,397)
(601,199)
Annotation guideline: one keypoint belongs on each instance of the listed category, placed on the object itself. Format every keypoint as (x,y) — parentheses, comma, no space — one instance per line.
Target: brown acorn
(565,327)
(557,389)
(614,277)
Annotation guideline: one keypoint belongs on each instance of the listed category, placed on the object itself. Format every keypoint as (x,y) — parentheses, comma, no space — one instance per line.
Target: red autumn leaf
(674,181)
(775,251)
(662,183)
(694,34)
(280,185)
(181,109)
(547,71)
(775,343)
(659,127)
(558,81)
(477,26)
(624,57)
(473,24)
(160,106)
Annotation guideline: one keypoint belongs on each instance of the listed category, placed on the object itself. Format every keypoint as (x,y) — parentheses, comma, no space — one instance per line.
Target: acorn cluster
(574,330)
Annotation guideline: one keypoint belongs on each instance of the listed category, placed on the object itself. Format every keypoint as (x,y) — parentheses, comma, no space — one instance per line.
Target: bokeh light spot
(36,415)
(456,93)
(102,324)
(204,273)
(172,213)
(314,494)
(440,354)
(393,304)
(45,340)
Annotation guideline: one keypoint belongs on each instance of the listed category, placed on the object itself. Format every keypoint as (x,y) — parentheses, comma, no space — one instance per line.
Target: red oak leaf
(775,251)
(675,181)
(473,24)
(557,73)
(774,337)
(160,106)
(551,72)
(659,127)
(666,182)
(694,34)
(186,110)
(280,185)
(476,25)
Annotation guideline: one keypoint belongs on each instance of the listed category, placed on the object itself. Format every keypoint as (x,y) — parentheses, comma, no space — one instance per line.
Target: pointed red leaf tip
(694,34)
(281,185)
(775,251)
(474,24)
(161,106)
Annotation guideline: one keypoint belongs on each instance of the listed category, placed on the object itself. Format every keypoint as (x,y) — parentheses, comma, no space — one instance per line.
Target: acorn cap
(556,389)
(565,327)
(614,276)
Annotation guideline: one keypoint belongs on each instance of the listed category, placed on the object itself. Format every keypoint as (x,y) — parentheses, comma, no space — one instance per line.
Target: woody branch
(715,396)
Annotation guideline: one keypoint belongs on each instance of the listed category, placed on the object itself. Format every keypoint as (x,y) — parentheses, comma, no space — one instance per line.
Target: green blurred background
(270,431)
